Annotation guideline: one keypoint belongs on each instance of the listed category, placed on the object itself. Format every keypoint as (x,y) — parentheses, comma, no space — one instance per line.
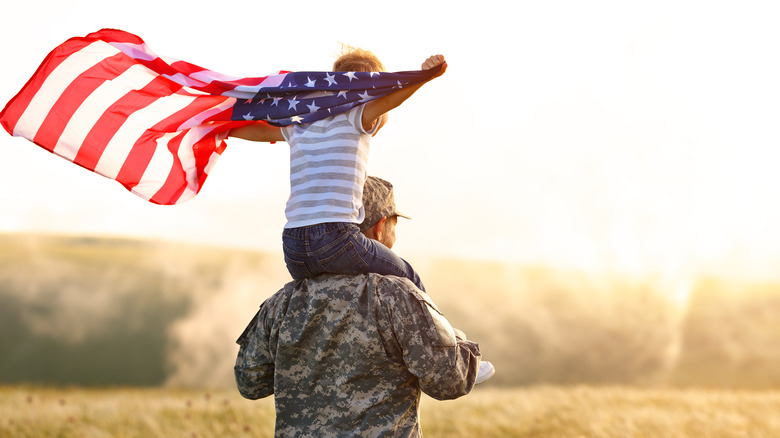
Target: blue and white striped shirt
(328,160)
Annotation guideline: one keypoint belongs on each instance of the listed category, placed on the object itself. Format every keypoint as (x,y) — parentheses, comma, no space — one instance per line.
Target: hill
(104,311)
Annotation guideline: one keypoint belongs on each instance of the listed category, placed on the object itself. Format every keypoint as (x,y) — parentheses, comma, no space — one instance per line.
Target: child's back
(328,160)
(328,168)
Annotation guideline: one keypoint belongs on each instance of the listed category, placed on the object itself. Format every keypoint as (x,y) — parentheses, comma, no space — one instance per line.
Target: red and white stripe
(110,105)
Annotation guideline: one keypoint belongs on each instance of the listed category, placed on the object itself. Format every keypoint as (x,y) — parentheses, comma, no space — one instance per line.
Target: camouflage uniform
(349,356)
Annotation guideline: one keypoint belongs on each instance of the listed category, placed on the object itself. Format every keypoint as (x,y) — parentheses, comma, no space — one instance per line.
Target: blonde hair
(356,59)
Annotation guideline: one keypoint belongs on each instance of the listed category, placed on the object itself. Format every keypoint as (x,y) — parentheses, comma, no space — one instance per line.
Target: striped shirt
(328,160)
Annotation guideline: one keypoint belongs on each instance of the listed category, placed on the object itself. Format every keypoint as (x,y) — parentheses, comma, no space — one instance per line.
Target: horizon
(425,261)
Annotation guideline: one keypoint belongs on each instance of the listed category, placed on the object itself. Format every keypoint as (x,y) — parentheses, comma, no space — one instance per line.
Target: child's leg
(340,248)
(295,254)
(382,260)
(322,249)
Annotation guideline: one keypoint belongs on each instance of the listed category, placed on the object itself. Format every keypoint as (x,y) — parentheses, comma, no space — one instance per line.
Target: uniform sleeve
(445,364)
(254,369)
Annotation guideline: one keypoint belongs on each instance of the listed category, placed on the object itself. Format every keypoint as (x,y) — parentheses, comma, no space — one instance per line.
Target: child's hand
(433,61)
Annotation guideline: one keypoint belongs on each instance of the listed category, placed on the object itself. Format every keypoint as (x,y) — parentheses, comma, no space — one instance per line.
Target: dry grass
(123,413)
(603,412)
(606,412)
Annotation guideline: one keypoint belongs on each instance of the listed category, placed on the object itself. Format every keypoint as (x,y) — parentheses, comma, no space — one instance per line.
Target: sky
(638,137)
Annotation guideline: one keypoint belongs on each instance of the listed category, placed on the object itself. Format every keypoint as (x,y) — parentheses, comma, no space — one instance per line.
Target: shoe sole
(485,373)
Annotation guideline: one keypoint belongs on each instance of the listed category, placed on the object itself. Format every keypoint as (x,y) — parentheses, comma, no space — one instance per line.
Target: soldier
(349,355)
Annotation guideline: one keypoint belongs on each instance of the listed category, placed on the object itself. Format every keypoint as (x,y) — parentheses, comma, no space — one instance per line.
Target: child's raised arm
(258,131)
(376,108)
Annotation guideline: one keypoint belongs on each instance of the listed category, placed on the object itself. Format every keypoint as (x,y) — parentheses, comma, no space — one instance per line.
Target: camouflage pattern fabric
(378,202)
(350,355)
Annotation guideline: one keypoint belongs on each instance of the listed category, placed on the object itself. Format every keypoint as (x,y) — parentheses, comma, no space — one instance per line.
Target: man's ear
(379,229)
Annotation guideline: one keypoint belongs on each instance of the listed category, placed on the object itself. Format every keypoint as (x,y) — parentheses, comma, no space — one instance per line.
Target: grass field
(542,411)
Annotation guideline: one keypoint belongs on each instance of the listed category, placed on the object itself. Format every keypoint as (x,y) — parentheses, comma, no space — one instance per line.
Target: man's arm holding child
(255,368)
(445,363)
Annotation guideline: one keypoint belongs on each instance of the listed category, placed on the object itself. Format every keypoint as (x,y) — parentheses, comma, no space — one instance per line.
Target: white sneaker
(486,371)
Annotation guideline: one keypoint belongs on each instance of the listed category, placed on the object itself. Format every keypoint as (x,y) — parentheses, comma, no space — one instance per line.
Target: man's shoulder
(333,287)
(335,283)
(386,288)
(371,280)
(402,287)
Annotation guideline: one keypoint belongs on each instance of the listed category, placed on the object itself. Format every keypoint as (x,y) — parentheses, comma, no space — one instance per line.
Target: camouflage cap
(378,202)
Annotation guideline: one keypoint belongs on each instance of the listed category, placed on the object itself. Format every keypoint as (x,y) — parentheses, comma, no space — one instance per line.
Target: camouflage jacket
(349,356)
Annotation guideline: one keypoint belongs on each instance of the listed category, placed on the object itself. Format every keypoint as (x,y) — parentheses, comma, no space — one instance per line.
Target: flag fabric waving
(157,124)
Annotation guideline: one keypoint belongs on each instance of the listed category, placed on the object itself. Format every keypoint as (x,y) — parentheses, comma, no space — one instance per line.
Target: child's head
(355,59)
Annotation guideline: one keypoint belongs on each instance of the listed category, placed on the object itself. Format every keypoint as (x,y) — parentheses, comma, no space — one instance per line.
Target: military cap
(378,202)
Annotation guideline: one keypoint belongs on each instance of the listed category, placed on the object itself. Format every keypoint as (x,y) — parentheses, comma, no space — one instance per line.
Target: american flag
(157,124)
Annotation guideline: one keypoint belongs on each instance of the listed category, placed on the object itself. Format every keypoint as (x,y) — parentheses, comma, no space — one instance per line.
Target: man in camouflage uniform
(350,355)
